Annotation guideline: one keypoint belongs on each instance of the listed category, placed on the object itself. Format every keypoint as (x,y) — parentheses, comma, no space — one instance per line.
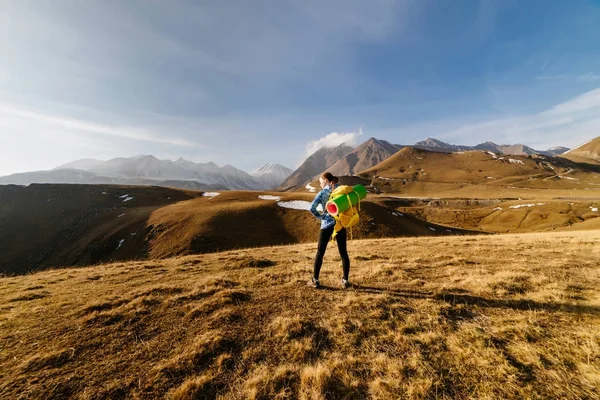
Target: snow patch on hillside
(268,197)
(295,204)
(527,205)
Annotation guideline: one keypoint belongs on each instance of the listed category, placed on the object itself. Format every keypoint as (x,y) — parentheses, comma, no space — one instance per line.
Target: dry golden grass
(469,317)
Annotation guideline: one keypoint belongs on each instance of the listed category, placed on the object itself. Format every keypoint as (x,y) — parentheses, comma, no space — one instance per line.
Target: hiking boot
(345,284)
(314,283)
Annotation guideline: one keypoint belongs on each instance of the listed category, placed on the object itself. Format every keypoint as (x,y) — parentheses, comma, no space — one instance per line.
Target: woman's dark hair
(330,178)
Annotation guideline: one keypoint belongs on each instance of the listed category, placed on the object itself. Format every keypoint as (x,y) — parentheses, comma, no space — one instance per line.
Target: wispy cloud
(589,77)
(334,139)
(569,123)
(20,120)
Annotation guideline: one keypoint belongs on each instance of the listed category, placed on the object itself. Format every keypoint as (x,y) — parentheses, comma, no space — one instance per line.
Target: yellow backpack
(348,218)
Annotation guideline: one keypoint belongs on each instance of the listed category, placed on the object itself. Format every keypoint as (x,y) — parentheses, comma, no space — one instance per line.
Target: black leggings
(340,238)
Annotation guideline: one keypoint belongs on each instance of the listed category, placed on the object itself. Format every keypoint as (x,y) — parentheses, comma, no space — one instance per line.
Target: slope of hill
(143,170)
(365,156)
(412,168)
(272,175)
(587,152)
(56,225)
(449,318)
(317,163)
(66,225)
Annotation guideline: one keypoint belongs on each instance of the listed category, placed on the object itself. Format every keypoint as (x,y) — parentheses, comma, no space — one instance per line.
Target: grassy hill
(457,317)
(67,225)
(479,174)
(588,152)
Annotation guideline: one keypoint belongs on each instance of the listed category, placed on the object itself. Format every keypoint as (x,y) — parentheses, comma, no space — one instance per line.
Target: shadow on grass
(404,293)
(526,305)
(463,297)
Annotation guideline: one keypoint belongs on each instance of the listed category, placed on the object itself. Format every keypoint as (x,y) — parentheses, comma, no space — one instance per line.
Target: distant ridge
(509,149)
(271,174)
(143,170)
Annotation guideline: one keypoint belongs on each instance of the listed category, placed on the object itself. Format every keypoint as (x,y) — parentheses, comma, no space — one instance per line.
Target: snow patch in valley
(126,197)
(594,209)
(210,194)
(120,243)
(310,188)
(295,204)
(497,209)
(269,197)
(527,205)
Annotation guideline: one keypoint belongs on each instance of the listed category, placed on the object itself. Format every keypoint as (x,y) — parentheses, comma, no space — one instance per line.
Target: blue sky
(248,82)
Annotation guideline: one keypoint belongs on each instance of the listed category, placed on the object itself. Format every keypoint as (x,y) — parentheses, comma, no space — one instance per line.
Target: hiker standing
(328,184)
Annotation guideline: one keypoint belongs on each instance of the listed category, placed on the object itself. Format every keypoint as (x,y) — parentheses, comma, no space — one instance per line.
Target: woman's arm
(313,206)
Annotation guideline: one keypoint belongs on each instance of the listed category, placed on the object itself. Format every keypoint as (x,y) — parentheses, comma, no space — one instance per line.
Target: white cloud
(20,120)
(334,139)
(589,77)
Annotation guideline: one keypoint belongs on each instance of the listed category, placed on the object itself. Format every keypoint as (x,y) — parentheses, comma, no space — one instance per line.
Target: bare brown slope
(588,152)
(487,317)
(61,224)
(67,225)
(410,166)
(315,164)
(236,220)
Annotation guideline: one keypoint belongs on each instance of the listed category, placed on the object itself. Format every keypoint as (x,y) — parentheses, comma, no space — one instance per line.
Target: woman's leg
(341,242)
(324,237)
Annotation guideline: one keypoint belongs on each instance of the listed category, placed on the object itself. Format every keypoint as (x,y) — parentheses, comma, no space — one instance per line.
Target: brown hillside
(589,151)
(44,225)
(412,167)
(315,164)
(67,225)
(487,317)
(502,215)
(240,219)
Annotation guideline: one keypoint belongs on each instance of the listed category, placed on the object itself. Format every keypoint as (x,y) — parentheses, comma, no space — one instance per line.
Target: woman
(328,184)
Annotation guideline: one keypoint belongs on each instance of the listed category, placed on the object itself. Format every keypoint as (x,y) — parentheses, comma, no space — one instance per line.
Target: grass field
(455,317)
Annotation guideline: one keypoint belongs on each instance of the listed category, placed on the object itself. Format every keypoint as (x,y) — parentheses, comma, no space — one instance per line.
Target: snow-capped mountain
(145,170)
(271,174)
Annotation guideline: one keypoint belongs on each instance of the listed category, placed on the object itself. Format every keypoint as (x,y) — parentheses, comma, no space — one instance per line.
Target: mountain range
(509,149)
(149,170)
(341,160)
